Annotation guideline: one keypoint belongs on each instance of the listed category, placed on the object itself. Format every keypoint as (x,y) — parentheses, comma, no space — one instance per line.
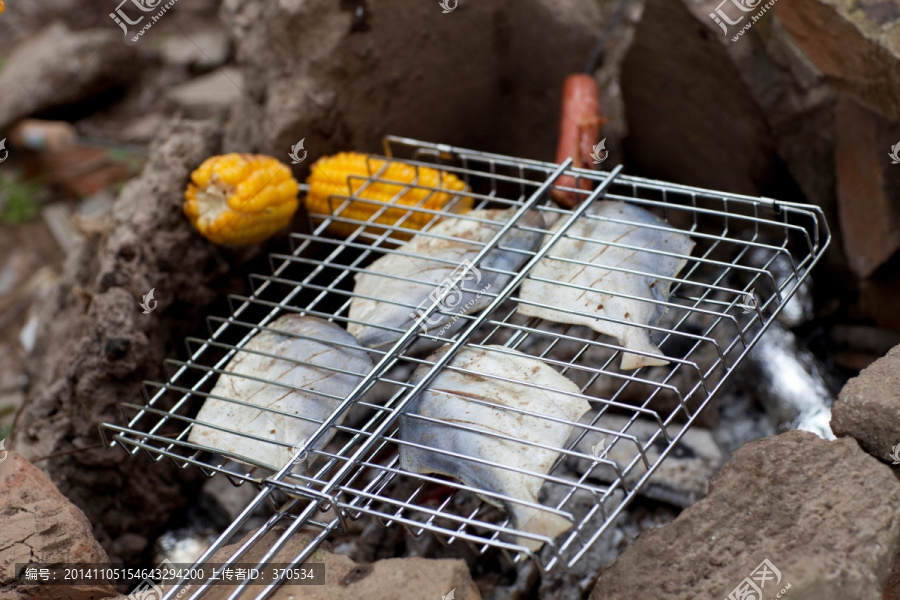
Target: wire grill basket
(719,304)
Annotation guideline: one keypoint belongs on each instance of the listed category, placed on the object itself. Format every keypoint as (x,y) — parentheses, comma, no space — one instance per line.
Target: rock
(892,591)
(142,129)
(855,43)
(78,379)
(609,74)
(825,514)
(41,526)
(780,136)
(485,75)
(58,67)
(863,340)
(676,77)
(878,294)
(418,578)
(776,137)
(797,104)
(868,186)
(201,50)
(868,407)
(208,97)
(23,19)
(785,128)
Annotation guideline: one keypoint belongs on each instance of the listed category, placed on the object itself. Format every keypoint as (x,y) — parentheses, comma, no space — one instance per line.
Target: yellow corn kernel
(329,176)
(240,198)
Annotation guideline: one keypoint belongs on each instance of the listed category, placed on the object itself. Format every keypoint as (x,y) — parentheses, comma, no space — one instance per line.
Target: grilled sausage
(579,128)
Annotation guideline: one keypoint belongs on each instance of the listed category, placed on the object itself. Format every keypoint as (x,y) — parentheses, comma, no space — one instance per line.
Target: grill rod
(447,356)
(362,387)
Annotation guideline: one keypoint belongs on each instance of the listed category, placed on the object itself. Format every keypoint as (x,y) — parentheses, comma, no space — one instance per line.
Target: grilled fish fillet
(396,300)
(292,391)
(596,306)
(476,409)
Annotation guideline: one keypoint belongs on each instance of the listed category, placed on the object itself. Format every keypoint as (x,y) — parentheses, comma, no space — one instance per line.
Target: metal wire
(706,331)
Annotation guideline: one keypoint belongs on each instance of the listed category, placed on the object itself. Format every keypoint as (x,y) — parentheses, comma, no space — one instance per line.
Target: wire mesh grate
(592,462)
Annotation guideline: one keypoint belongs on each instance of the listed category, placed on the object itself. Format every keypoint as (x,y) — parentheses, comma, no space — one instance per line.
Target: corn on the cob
(329,176)
(240,198)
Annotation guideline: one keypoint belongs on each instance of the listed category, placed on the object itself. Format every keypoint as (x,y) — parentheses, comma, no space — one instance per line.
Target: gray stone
(825,514)
(209,96)
(868,408)
(202,50)
(22,19)
(58,67)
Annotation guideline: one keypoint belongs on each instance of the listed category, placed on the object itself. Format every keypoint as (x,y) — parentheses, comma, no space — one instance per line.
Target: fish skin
(255,421)
(601,255)
(436,402)
(379,279)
